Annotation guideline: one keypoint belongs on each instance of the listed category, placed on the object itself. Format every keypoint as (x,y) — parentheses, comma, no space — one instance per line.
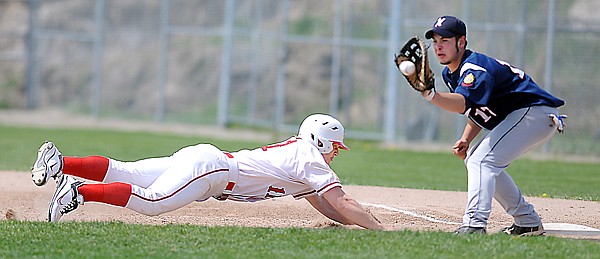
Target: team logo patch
(468,81)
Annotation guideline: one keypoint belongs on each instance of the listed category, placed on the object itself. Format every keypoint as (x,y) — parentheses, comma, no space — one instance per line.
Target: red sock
(91,167)
(111,193)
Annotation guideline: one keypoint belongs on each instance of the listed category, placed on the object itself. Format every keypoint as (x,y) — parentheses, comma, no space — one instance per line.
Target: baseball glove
(415,51)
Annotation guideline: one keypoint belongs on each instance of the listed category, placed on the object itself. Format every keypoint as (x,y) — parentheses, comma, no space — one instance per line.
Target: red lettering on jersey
(276,190)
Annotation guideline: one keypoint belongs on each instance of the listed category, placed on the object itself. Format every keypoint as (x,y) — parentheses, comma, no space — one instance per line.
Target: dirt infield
(397,207)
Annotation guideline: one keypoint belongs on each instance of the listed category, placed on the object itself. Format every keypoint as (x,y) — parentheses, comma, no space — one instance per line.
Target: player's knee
(474,161)
(152,210)
(153,213)
(149,208)
(484,164)
(470,161)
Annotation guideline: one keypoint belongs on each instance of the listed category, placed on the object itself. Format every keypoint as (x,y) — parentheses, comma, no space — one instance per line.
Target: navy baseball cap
(447,27)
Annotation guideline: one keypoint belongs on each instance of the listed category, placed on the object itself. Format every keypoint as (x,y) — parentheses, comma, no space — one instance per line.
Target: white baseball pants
(164,184)
(521,131)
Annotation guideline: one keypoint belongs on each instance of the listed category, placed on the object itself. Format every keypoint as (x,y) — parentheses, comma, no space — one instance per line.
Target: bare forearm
(462,145)
(451,102)
(358,215)
(350,209)
(471,130)
(321,205)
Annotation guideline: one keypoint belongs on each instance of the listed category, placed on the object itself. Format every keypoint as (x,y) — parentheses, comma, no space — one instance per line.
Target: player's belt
(233,177)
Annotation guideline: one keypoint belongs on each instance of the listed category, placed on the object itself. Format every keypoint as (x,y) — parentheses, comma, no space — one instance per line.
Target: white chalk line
(551,228)
(410,213)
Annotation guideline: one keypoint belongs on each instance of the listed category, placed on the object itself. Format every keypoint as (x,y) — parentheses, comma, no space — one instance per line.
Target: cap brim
(441,32)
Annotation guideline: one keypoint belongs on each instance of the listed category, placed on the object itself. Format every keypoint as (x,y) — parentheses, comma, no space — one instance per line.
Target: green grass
(113,239)
(365,164)
(20,145)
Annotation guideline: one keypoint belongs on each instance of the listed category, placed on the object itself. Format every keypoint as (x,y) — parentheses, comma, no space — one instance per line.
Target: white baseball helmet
(322,131)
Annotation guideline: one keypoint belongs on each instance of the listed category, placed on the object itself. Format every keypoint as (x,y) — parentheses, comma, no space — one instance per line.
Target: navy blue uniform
(518,114)
(493,89)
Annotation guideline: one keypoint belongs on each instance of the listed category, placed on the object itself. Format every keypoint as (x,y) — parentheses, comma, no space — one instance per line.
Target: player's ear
(462,41)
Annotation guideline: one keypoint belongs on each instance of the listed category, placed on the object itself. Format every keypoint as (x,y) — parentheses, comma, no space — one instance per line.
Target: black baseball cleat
(464,230)
(523,231)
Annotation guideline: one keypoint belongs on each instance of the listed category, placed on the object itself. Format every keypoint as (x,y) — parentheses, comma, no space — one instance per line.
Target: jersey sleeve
(322,179)
(316,173)
(475,84)
(304,194)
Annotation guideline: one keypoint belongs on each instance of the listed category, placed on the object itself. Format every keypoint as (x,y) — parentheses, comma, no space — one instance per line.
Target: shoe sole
(60,192)
(464,230)
(40,172)
(539,232)
(533,233)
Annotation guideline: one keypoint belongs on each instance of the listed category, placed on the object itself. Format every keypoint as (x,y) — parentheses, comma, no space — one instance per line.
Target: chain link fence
(269,63)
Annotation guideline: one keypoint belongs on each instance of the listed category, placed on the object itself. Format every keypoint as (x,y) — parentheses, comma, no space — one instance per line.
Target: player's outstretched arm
(350,209)
(321,205)
(451,102)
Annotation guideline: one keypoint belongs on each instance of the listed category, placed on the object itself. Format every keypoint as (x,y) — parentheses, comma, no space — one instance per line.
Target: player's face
(446,51)
(331,155)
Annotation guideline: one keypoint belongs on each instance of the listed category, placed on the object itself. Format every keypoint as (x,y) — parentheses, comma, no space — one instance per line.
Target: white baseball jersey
(197,173)
(293,167)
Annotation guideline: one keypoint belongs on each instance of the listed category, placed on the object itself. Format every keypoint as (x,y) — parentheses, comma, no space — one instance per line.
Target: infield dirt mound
(401,208)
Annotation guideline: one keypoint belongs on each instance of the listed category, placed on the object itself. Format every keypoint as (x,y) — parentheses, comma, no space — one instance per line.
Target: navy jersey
(493,89)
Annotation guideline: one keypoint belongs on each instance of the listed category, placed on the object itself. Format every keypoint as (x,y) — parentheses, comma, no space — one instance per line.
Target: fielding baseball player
(503,100)
(298,166)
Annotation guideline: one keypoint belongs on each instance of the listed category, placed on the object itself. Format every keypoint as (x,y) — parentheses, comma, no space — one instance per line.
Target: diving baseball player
(298,166)
(506,102)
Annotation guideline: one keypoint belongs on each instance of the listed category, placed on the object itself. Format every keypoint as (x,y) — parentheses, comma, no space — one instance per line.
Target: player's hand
(460,149)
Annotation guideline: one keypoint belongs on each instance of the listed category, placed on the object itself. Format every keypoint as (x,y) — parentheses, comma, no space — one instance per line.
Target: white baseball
(407,68)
